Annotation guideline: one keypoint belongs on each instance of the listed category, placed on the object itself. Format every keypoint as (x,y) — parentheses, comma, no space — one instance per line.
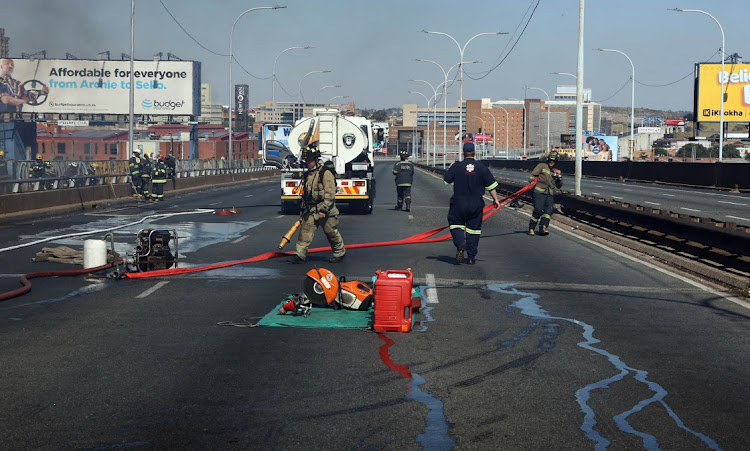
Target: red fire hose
(424,237)
(34,275)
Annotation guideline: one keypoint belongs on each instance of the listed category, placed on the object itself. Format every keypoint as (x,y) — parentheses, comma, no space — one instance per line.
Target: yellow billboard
(736,79)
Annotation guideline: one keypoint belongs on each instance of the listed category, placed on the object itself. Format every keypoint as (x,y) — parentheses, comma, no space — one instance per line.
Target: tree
(661,152)
(687,150)
(379,116)
(730,151)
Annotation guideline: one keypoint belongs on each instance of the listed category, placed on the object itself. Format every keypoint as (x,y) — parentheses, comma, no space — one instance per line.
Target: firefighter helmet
(38,156)
(311,153)
(552,156)
(2,153)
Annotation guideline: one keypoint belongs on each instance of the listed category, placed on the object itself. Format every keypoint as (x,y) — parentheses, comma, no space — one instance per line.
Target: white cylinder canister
(94,253)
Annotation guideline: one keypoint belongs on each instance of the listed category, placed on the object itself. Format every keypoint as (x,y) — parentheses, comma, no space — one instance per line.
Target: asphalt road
(550,342)
(700,202)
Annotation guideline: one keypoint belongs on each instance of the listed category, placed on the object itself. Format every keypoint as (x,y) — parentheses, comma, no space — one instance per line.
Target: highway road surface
(555,342)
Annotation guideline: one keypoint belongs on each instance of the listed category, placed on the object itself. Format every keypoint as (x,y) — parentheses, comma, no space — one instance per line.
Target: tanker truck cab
(345,141)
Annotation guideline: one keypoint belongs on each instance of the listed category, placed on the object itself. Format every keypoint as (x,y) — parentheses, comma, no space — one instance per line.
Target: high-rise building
(4,44)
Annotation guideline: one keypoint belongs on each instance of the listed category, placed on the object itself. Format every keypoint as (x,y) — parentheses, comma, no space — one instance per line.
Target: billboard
(99,87)
(736,78)
(241,104)
(600,148)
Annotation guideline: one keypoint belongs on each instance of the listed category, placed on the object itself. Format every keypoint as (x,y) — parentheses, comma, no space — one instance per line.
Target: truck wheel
(366,207)
(286,208)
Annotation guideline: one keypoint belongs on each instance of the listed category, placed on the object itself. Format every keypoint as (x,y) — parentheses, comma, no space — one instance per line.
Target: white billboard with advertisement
(600,148)
(736,80)
(99,87)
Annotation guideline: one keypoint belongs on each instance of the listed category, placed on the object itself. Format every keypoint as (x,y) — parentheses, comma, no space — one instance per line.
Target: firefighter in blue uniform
(470,180)
(404,172)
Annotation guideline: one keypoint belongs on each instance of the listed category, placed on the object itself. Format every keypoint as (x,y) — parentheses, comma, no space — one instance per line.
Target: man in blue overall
(470,180)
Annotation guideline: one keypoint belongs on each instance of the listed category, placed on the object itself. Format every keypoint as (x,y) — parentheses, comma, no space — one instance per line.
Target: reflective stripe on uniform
(491,187)
(473,232)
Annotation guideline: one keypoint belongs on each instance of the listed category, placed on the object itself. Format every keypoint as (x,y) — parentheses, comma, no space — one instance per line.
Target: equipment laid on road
(393,301)
(288,235)
(323,288)
(152,252)
(297,304)
(345,142)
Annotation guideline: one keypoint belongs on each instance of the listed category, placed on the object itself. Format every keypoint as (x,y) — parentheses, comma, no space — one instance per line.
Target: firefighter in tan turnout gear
(318,208)
(549,178)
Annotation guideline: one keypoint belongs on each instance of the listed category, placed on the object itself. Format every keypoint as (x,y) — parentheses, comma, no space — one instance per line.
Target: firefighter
(404,172)
(135,164)
(470,180)
(3,166)
(170,162)
(548,178)
(146,176)
(159,179)
(41,169)
(318,208)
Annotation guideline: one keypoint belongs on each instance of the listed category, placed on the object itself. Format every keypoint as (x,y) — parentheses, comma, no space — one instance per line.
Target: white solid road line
(151,290)
(737,217)
(730,203)
(653,203)
(239,239)
(688,209)
(431,289)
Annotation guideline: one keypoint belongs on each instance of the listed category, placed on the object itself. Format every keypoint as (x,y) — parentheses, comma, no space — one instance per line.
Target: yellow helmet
(2,153)
(38,156)
(552,156)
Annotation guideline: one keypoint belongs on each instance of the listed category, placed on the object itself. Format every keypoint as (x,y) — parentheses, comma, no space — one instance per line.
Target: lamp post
(445,98)
(428,120)
(564,73)
(494,132)
(632,102)
(434,98)
(231,94)
(724,78)
(548,114)
(484,131)
(273,78)
(525,117)
(299,88)
(461,72)
(326,87)
(336,97)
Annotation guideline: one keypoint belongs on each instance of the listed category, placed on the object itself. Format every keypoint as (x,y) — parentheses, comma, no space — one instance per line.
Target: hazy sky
(370,46)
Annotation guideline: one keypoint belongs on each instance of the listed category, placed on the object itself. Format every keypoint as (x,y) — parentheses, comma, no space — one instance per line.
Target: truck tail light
(359,183)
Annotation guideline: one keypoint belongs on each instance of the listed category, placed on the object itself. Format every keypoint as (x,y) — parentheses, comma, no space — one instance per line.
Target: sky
(370,47)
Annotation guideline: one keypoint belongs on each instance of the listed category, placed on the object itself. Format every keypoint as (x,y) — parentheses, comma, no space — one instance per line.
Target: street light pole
(273,78)
(434,97)
(461,73)
(494,132)
(428,121)
(724,78)
(334,98)
(632,102)
(549,148)
(445,99)
(525,118)
(326,87)
(299,88)
(231,58)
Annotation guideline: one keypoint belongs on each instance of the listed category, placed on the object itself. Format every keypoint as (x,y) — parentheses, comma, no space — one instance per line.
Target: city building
(4,44)
(291,112)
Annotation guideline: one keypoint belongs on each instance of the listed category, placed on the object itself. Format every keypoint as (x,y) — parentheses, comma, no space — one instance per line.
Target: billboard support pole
(132,92)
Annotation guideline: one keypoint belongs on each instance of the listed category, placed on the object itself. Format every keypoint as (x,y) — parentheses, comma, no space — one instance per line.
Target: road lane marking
(250,195)
(616,197)
(239,239)
(730,203)
(653,203)
(215,203)
(151,290)
(594,193)
(737,217)
(431,290)
(688,209)
(668,195)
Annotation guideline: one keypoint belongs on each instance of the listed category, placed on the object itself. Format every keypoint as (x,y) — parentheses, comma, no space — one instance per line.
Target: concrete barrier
(33,204)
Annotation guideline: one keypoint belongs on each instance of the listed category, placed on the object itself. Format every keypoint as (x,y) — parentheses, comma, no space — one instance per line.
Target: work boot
(397,207)
(295,259)
(543,231)
(460,253)
(335,259)
(531,232)
(470,260)
(408,207)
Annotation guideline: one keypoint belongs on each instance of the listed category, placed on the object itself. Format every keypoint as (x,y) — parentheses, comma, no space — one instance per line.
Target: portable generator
(152,250)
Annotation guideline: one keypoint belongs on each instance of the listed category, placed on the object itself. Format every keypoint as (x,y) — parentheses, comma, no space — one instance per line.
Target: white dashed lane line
(151,290)
(431,289)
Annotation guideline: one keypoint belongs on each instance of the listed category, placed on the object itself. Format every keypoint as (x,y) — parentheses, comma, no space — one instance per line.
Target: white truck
(347,142)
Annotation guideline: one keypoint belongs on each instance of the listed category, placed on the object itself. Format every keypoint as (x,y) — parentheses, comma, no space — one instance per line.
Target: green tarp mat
(320,317)
(326,317)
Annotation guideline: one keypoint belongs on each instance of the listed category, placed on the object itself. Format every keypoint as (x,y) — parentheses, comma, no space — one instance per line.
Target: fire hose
(34,275)
(424,237)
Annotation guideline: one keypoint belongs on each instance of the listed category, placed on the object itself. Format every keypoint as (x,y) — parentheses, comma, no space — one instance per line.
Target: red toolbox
(393,300)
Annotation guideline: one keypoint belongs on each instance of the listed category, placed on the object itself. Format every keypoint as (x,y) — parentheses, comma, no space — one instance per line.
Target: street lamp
(494,133)
(525,119)
(548,114)
(299,88)
(434,98)
(428,120)
(445,98)
(336,97)
(273,78)
(461,71)
(484,132)
(564,73)
(231,94)
(632,102)
(723,77)
(326,87)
